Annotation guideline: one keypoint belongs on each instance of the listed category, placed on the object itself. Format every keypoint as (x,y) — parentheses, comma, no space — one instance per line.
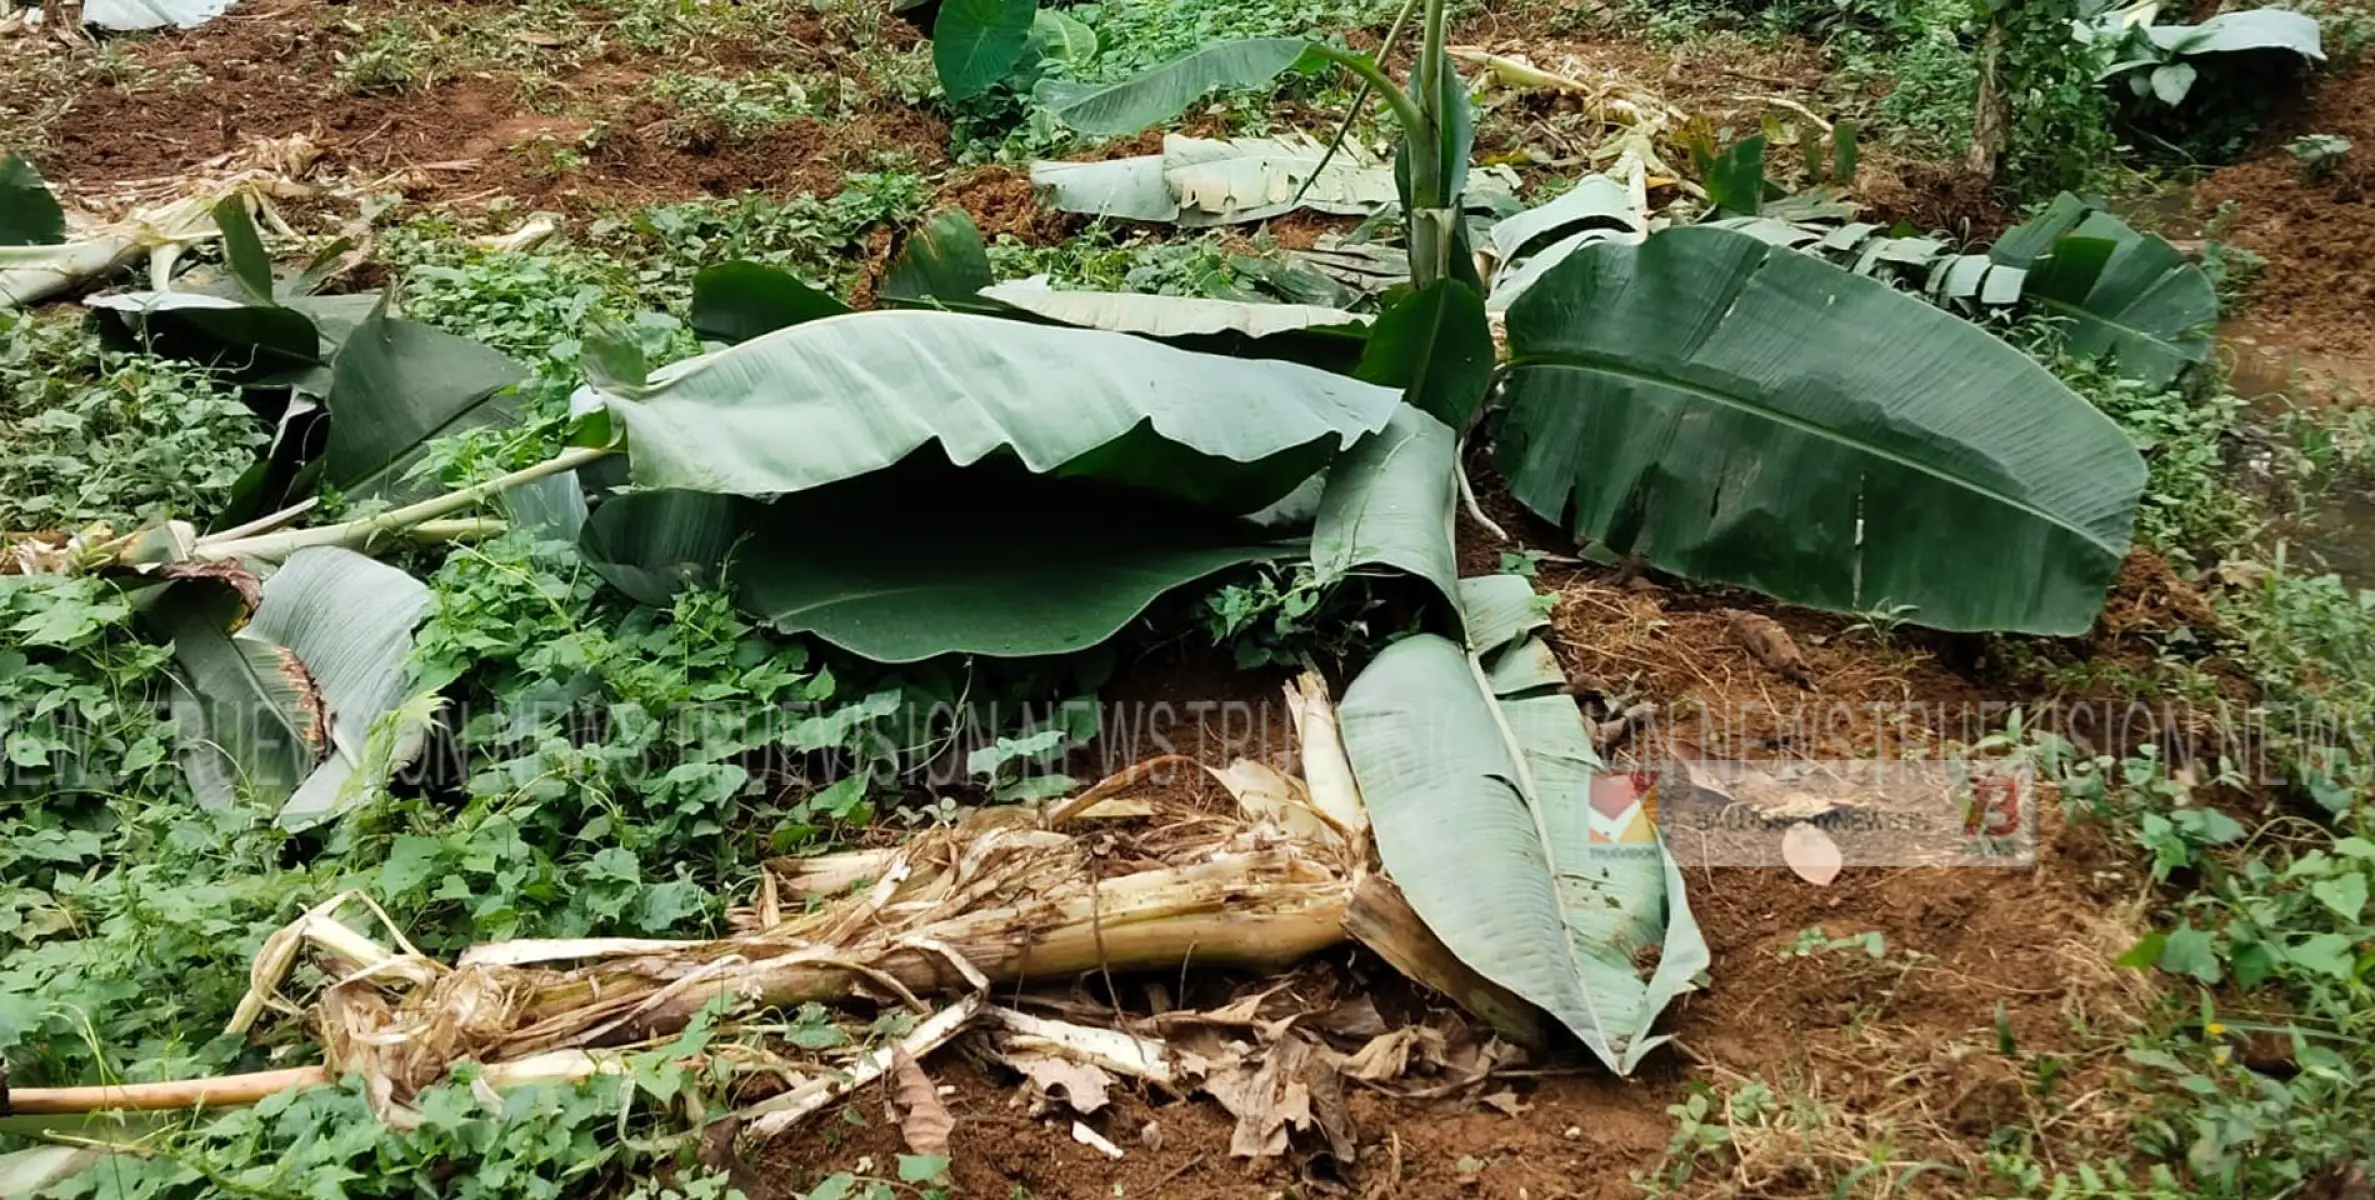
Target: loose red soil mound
(2315,303)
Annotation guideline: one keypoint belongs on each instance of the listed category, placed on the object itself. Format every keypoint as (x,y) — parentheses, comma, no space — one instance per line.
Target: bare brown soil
(586,133)
(2313,309)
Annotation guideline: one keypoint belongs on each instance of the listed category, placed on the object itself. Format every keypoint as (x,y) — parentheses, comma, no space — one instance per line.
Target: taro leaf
(2171,82)
(943,265)
(842,397)
(975,43)
(888,567)
(349,619)
(1571,911)
(2128,296)
(738,301)
(29,215)
(397,385)
(243,248)
(1436,346)
(1173,316)
(2270,28)
(1166,91)
(651,544)
(1741,414)
(1388,503)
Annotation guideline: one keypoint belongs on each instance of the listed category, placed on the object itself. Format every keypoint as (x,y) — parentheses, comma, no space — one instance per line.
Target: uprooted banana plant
(1002,469)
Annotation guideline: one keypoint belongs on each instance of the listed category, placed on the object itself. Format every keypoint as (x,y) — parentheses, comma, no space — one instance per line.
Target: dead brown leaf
(1768,643)
(1054,1077)
(1386,1056)
(1295,1088)
(924,1122)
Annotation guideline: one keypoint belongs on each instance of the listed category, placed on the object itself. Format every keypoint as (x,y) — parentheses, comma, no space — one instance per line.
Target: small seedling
(2318,154)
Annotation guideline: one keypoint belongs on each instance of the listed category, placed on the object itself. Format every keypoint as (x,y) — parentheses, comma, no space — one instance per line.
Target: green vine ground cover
(618,769)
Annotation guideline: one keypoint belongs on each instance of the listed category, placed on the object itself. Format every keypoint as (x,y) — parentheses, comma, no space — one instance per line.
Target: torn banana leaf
(1526,246)
(1201,182)
(1742,414)
(282,710)
(2126,295)
(1486,804)
(1388,503)
(1172,316)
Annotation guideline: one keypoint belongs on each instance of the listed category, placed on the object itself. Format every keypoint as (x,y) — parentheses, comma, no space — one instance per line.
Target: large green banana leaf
(283,708)
(2127,296)
(926,559)
(1480,796)
(843,397)
(1132,104)
(1742,414)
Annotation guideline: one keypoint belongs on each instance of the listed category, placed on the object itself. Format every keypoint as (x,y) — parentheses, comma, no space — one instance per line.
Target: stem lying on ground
(363,531)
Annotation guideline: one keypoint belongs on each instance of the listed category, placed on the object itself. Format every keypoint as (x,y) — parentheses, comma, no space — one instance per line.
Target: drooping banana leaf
(2125,294)
(1250,179)
(846,396)
(1526,246)
(651,544)
(1742,414)
(1123,189)
(2128,296)
(2270,28)
(397,385)
(1388,503)
(1133,104)
(925,559)
(1943,275)
(283,708)
(250,342)
(738,301)
(1481,797)
(350,619)
(1436,344)
(151,14)
(29,214)
(943,265)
